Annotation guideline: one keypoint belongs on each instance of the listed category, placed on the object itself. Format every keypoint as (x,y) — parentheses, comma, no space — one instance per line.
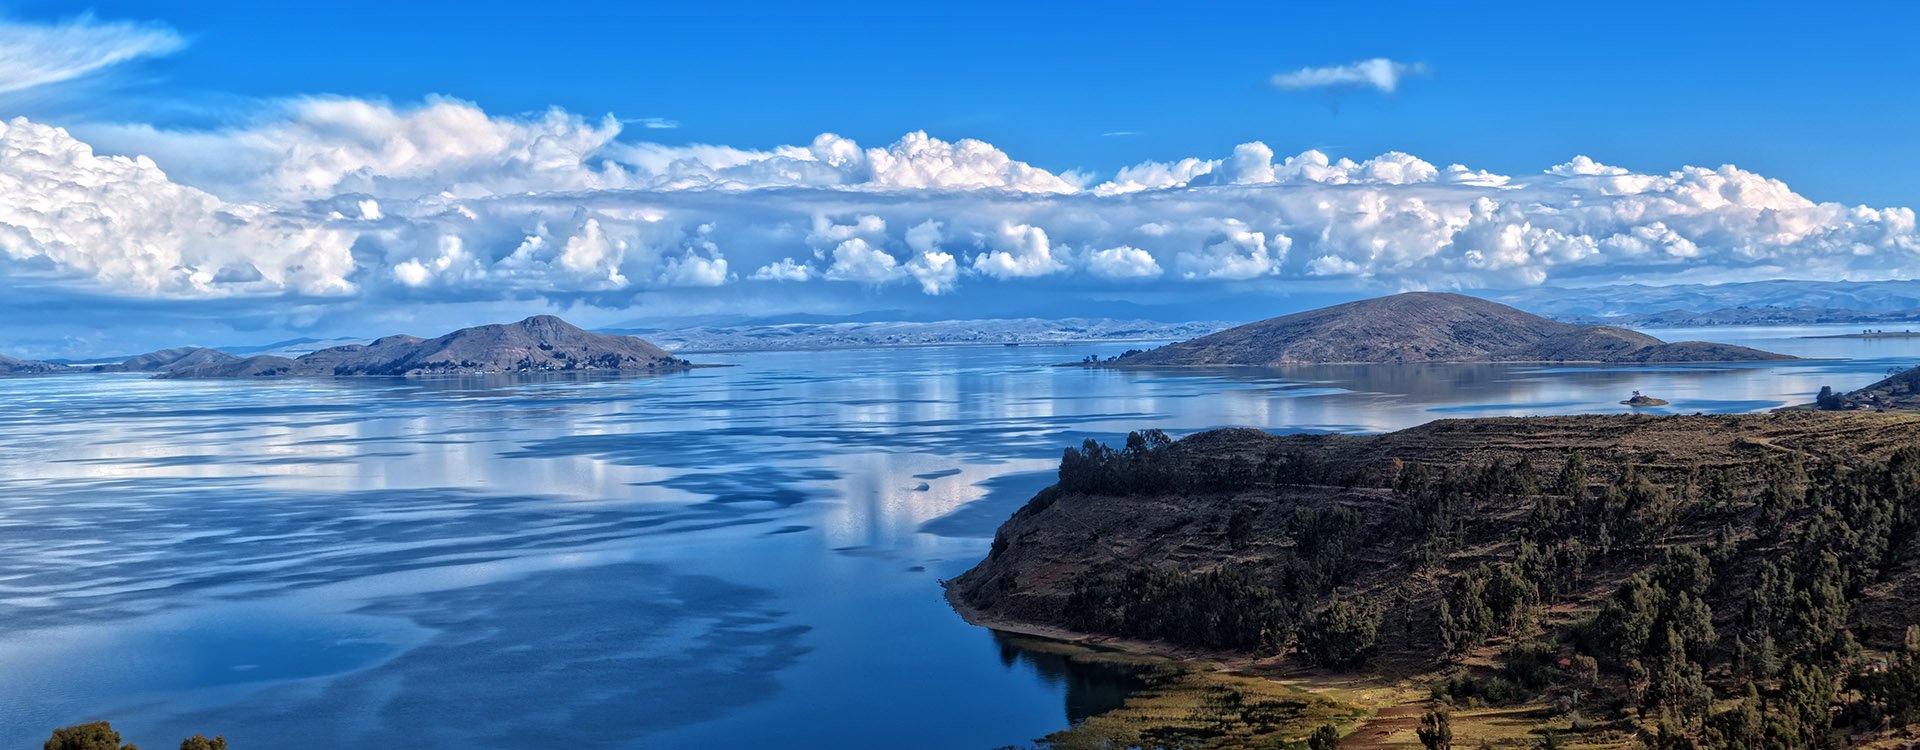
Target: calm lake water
(733,557)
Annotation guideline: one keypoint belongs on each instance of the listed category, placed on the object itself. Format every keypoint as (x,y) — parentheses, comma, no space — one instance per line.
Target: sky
(217,172)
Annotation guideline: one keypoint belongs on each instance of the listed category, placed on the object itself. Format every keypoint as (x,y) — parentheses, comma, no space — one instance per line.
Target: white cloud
(34,55)
(784,270)
(1123,263)
(920,161)
(1017,251)
(856,260)
(935,269)
(443,201)
(694,269)
(120,225)
(592,255)
(701,265)
(323,146)
(1235,252)
(1154,175)
(656,123)
(1377,73)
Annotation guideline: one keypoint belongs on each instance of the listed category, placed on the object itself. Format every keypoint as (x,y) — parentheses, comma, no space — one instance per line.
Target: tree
(1341,635)
(1585,670)
(1324,738)
(1436,731)
(198,742)
(98,735)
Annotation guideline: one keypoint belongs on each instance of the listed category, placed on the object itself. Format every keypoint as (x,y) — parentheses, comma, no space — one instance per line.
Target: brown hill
(169,360)
(1426,327)
(542,343)
(12,366)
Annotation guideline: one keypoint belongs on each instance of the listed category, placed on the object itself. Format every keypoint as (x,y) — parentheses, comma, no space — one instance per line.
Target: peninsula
(1599,580)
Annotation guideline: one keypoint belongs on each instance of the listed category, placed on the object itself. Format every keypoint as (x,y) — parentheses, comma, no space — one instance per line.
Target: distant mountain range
(1426,327)
(1748,316)
(866,334)
(1800,301)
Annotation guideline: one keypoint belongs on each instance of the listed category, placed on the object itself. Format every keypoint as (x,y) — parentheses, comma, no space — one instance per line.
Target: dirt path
(1390,728)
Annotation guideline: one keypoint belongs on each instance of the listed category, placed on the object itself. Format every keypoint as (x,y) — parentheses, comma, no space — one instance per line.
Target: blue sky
(1816,95)
(371,121)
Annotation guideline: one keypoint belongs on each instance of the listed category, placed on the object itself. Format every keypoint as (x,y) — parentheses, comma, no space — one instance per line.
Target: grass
(1190,704)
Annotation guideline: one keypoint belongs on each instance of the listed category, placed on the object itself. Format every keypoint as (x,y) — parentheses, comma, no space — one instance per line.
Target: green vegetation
(1217,609)
(97,735)
(1327,737)
(1147,466)
(1186,705)
(100,735)
(1342,635)
(1436,731)
(1673,606)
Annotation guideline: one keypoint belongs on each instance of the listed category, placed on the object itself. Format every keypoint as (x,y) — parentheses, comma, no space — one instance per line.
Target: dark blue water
(729,557)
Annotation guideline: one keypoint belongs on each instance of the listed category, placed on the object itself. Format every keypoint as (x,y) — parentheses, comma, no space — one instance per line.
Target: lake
(730,557)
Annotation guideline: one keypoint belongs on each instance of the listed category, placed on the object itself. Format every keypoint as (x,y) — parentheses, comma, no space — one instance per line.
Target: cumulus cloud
(118,224)
(443,201)
(318,147)
(857,260)
(934,268)
(1017,251)
(1123,262)
(786,269)
(1378,73)
(34,55)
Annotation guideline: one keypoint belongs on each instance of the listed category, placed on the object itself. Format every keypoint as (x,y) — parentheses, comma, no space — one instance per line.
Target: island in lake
(539,344)
(1426,327)
(542,343)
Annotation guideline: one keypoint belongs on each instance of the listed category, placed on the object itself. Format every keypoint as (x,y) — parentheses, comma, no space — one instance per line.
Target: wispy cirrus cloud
(38,54)
(654,123)
(1378,73)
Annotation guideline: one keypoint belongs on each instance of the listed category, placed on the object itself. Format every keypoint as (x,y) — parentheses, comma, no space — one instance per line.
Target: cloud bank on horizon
(345,198)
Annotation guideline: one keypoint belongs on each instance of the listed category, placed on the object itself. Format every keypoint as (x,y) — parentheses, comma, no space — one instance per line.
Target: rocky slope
(1426,327)
(539,344)
(1897,392)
